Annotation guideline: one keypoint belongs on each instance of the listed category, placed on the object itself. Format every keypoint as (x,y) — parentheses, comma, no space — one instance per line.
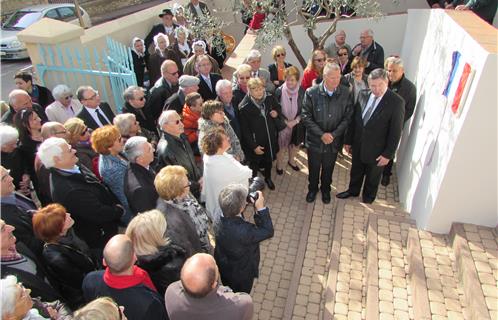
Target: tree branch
(293,46)
(330,30)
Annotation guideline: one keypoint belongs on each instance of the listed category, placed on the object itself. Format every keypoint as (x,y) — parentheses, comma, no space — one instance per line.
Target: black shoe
(326,197)
(270,184)
(345,195)
(367,201)
(385,181)
(310,197)
(295,168)
(280,172)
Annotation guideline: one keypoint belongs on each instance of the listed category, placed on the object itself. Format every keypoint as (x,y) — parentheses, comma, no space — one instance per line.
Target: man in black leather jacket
(174,149)
(327,111)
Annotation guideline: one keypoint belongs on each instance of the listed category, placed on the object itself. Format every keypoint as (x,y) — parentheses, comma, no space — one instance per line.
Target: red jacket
(257,21)
(308,76)
(190,123)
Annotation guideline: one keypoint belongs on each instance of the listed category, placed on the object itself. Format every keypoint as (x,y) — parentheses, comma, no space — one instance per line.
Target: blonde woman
(101,309)
(79,139)
(277,69)
(314,69)
(155,253)
(242,76)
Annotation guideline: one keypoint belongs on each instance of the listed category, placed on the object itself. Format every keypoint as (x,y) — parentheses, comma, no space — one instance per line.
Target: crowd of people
(146,214)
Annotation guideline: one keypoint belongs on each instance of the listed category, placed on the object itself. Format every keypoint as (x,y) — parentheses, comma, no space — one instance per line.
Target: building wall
(447,165)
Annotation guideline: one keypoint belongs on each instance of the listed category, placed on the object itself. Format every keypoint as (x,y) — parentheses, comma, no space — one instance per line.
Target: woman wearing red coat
(191,114)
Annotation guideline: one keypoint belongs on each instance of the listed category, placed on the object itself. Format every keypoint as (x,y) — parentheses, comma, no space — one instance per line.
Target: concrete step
(476,257)
(388,292)
(433,277)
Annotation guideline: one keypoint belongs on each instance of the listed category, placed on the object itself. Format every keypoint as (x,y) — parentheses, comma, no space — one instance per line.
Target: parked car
(12,48)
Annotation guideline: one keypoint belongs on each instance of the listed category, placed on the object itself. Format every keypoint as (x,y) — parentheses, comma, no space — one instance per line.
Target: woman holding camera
(220,169)
(237,240)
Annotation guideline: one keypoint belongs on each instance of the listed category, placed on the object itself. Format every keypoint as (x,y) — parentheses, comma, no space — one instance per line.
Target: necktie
(101,117)
(208,81)
(254,74)
(369,111)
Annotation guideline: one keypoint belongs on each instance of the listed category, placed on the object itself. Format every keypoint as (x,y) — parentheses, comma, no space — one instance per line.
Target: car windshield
(21,20)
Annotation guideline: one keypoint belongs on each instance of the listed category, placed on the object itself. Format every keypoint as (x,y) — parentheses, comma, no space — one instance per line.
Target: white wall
(447,165)
(388,31)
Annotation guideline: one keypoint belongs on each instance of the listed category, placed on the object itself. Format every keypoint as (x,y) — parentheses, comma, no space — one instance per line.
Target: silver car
(11,48)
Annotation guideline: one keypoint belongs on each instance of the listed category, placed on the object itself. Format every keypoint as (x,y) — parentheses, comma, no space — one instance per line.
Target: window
(67,14)
(52,14)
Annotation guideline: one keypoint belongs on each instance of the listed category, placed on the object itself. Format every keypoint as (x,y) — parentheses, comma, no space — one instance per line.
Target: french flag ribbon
(454,67)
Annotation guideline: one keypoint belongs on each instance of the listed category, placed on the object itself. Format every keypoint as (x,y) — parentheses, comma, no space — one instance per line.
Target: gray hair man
(373,135)
(327,110)
(225,95)
(164,88)
(18,100)
(254,60)
(64,106)
(94,113)
(370,50)
(399,84)
(134,97)
(200,290)
(237,240)
(187,84)
(139,178)
(174,149)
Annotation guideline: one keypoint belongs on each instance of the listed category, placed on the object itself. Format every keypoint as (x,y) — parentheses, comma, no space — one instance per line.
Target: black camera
(255,184)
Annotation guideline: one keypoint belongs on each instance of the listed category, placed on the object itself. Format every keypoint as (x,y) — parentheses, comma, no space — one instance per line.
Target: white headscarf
(139,54)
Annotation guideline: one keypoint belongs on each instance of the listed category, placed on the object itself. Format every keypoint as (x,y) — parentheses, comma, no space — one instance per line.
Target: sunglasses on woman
(84,131)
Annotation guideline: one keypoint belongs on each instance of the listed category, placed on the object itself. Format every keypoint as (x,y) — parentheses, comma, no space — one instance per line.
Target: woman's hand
(259,150)
(273,114)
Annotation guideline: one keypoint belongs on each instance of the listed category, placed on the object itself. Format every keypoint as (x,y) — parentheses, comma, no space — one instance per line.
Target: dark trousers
(262,161)
(239,284)
(388,169)
(361,172)
(324,161)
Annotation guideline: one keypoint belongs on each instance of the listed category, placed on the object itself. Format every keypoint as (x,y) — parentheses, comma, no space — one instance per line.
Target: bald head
(118,254)
(52,129)
(199,275)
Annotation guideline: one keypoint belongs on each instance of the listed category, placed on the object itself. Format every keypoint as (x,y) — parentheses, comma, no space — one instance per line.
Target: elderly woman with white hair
(254,60)
(64,106)
(17,303)
(199,48)
(140,58)
(11,157)
(139,177)
(161,53)
(127,125)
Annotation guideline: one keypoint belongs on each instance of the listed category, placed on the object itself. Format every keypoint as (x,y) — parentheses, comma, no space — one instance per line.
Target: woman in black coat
(161,53)
(39,94)
(155,253)
(260,121)
(277,68)
(67,258)
(140,60)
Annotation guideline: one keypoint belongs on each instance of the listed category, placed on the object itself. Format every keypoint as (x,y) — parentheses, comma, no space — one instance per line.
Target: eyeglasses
(68,97)
(84,131)
(343,54)
(319,60)
(280,55)
(142,98)
(7,174)
(188,185)
(176,121)
(172,73)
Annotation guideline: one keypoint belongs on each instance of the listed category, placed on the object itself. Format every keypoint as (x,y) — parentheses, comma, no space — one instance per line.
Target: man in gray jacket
(327,111)
(198,295)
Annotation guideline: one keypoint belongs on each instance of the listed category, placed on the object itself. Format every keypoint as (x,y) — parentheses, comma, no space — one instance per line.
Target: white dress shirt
(93,113)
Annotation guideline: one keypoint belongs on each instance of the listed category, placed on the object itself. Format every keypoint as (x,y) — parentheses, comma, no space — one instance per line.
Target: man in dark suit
(208,80)
(162,89)
(237,240)
(167,27)
(187,84)
(94,113)
(373,135)
(94,208)
(135,103)
(370,50)
(197,8)
(18,100)
(225,96)
(139,179)
(399,84)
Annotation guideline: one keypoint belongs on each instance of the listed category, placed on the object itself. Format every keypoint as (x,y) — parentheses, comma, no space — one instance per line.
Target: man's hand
(276,82)
(273,114)
(259,150)
(462,7)
(348,148)
(201,182)
(327,138)
(381,161)
(436,6)
(260,203)
(356,50)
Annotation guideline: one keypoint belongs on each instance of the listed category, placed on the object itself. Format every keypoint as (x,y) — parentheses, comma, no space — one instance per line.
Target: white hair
(60,91)
(165,117)
(253,54)
(223,83)
(14,94)
(369,32)
(133,149)
(232,198)
(124,122)
(8,134)
(199,43)
(49,149)
(181,29)
(331,66)
(9,289)
(394,60)
(156,38)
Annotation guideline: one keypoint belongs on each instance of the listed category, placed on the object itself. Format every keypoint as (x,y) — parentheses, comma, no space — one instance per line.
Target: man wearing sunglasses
(135,99)
(164,88)
(94,113)
(18,100)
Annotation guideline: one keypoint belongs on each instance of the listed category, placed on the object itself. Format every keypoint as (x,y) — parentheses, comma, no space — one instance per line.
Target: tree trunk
(295,49)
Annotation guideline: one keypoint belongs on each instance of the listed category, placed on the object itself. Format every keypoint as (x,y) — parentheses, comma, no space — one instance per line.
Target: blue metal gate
(110,70)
